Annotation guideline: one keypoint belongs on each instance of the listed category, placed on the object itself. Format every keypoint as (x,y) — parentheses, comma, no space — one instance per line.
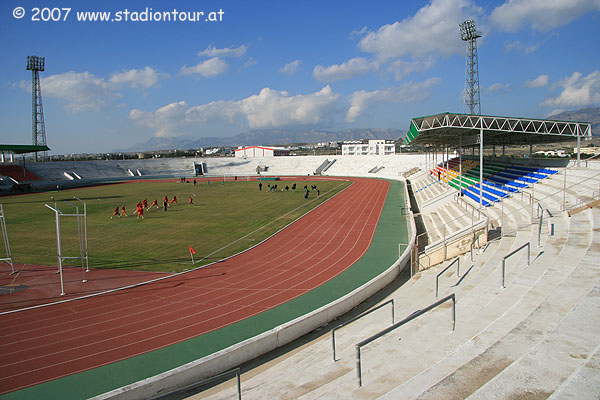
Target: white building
(260,151)
(373,148)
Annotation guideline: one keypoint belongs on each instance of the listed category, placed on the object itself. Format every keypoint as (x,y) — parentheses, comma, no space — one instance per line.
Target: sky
(220,68)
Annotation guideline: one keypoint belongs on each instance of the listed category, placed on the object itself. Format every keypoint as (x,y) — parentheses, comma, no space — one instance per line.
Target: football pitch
(224,219)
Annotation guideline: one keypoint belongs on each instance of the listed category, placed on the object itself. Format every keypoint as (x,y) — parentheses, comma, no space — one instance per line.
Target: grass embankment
(224,219)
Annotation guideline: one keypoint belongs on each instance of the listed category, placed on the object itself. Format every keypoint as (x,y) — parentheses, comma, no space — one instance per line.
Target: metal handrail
(437,278)
(540,227)
(475,239)
(473,209)
(590,158)
(412,316)
(450,234)
(356,318)
(511,254)
(528,194)
(235,371)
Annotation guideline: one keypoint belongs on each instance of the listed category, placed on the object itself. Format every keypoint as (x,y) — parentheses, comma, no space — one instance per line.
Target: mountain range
(590,114)
(274,137)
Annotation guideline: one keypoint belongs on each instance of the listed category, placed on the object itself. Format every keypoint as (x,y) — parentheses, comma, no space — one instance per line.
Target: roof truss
(450,128)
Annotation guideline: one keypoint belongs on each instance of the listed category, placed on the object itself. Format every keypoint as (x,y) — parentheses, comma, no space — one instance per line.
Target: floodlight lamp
(468,31)
(35,63)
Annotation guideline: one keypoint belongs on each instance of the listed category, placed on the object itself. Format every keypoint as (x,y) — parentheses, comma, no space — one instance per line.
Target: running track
(47,343)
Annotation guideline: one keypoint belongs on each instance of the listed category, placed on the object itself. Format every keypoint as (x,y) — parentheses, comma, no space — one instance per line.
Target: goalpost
(8,257)
(82,234)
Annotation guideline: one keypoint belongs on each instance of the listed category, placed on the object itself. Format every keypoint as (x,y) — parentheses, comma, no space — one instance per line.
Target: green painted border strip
(391,231)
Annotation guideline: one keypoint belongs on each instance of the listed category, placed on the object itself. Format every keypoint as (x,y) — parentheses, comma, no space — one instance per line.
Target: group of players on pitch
(143,205)
(273,188)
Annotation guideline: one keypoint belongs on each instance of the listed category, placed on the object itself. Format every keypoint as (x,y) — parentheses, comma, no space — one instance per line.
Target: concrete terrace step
(565,351)
(478,359)
(458,289)
(551,361)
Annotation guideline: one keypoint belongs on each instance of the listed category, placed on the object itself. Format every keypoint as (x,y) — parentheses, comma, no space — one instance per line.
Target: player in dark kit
(115,212)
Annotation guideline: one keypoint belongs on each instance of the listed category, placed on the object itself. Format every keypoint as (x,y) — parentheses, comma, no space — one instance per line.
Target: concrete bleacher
(111,169)
(382,166)
(539,337)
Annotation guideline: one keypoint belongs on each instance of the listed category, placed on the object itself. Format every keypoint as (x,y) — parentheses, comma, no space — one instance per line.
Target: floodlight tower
(35,64)
(470,35)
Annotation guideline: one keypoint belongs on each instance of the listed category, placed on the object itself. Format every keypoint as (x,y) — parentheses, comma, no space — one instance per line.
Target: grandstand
(527,326)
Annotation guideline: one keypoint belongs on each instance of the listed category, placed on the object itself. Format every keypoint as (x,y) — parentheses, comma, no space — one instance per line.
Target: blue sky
(327,65)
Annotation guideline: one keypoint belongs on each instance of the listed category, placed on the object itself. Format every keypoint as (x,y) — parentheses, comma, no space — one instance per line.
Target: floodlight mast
(35,64)
(469,34)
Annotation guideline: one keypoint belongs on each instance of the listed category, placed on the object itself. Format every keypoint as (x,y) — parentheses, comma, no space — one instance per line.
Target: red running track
(51,342)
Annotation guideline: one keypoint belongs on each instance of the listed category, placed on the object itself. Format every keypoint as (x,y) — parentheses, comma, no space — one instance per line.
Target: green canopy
(22,148)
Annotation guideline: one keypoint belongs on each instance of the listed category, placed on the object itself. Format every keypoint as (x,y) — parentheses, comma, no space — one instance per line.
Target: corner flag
(192,252)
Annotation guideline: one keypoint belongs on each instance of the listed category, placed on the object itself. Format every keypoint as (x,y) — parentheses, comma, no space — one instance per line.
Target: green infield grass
(225,218)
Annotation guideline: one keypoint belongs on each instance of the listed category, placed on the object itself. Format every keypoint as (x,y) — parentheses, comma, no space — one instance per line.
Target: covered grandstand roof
(22,148)
(449,128)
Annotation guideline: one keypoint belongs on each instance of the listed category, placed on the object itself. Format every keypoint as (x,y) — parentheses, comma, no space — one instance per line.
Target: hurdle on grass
(8,257)
(83,255)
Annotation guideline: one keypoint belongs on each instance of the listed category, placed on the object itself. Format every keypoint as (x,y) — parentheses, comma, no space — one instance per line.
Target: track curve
(43,344)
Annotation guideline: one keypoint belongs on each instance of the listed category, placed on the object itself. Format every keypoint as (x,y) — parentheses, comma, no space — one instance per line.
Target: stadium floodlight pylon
(82,233)
(8,257)
(36,64)
(469,34)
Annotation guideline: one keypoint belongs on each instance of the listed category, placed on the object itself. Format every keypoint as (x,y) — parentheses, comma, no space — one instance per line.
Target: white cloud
(410,92)
(540,15)
(79,92)
(137,78)
(351,68)
(400,68)
(554,112)
(272,109)
(167,119)
(518,46)
(268,109)
(249,63)
(211,51)
(290,68)
(577,91)
(540,81)
(360,32)
(433,29)
(209,68)
(496,87)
